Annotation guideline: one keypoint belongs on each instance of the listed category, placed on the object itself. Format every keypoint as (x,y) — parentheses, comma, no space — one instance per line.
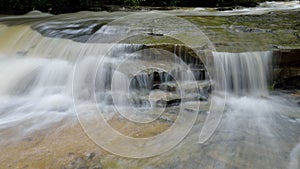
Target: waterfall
(37,74)
(255,120)
(50,79)
(245,73)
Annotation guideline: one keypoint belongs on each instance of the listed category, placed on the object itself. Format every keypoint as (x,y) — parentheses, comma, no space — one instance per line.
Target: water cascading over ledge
(246,73)
(256,122)
(38,79)
(36,94)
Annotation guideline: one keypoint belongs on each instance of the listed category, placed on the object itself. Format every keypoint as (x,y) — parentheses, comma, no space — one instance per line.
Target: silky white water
(258,119)
(245,73)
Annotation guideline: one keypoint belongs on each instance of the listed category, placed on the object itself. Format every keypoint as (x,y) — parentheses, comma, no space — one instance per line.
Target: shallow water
(45,80)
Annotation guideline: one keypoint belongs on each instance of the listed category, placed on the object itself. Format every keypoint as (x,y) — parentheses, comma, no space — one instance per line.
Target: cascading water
(245,73)
(34,95)
(39,79)
(252,113)
(37,82)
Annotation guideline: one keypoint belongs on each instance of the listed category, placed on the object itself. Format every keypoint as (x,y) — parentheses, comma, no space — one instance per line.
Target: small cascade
(38,73)
(245,73)
(47,72)
(254,118)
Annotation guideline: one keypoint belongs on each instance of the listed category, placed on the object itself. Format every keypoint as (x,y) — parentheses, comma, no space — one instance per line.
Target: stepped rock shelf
(277,31)
(44,75)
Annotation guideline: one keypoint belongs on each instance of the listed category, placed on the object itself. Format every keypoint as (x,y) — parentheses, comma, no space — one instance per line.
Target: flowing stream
(39,60)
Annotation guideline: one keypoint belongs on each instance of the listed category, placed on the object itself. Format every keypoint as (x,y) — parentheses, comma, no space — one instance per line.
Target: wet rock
(77,163)
(90,161)
(165,118)
(286,74)
(289,83)
(91,155)
(169,103)
(155,34)
(287,57)
(249,29)
(169,87)
(77,31)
